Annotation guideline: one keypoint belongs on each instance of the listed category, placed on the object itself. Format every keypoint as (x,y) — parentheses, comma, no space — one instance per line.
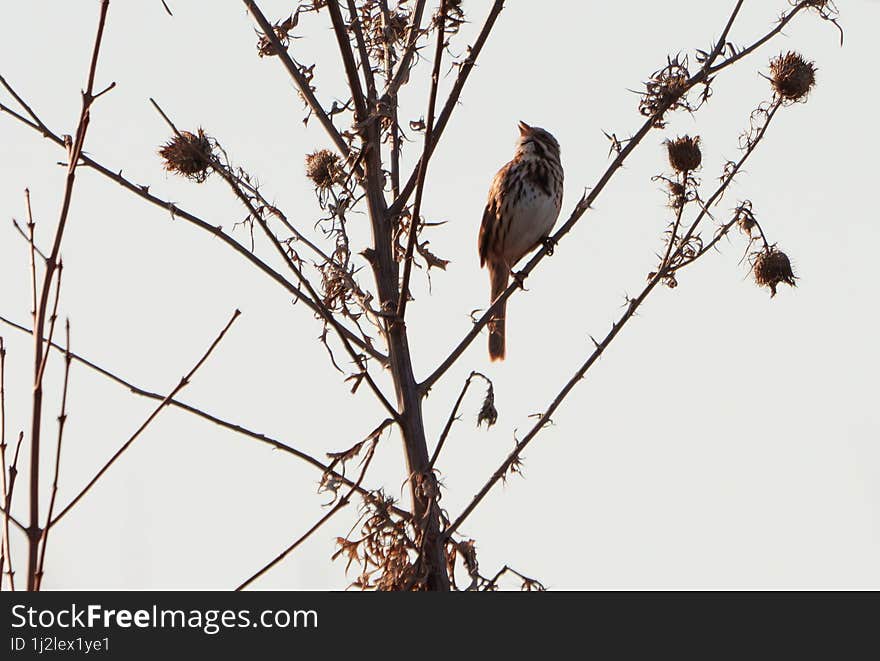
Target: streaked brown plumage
(524,203)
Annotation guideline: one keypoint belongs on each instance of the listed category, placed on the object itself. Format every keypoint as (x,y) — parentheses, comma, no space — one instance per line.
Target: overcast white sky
(724,441)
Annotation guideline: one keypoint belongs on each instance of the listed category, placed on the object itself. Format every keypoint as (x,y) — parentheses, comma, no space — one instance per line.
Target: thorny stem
(361,114)
(165,401)
(390,55)
(679,212)
(453,416)
(450,105)
(423,165)
(62,420)
(716,196)
(75,149)
(301,83)
(342,502)
(632,307)
(366,66)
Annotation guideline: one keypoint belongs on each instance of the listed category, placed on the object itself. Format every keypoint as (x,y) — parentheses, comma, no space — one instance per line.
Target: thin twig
(366,66)
(452,418)
(342,502)
(301,83)
(7,552)
(7,513)
(423,164)
(451,103)
(412,37)
(62,420)
(26,238)
(167,400)
(231,426)
(679,212)
(392,103)
(74,150)
(351,71)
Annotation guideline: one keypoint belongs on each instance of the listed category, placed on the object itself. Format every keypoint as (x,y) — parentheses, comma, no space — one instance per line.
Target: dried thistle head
(792,76)
(666,90)
(322,167)
(684,153)
(772,267)
(189,154)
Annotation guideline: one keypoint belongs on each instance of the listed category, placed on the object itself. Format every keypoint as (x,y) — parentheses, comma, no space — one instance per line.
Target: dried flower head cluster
(189,154)
(383,550)
(323,168)
(666,90)
(772,267)
(792,76)
(684,153)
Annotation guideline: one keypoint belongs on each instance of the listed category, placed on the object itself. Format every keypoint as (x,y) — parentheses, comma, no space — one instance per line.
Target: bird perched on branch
(524,203)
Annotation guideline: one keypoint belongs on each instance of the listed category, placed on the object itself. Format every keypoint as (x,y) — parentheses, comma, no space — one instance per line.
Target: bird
(524,202)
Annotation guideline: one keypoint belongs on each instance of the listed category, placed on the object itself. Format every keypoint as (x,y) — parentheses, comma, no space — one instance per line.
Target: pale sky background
(725,440)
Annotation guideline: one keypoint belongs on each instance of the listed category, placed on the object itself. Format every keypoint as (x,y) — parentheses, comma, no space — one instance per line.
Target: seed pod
(189,155)
(322,167)
(684,153)
(772,267)
(792,76)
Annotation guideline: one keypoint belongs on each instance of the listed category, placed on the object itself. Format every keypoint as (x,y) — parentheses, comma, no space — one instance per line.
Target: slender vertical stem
(62,421)
(74,151)
(7,552)
(423,163)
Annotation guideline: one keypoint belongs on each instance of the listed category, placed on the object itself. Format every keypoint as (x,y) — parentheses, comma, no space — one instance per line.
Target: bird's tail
(498,276)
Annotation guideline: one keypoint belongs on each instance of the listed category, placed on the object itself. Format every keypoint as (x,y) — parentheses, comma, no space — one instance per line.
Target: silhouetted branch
(225,424)
(342,502)
(167,400)
(423,163)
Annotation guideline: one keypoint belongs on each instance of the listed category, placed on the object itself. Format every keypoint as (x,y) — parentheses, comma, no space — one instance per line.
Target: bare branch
(167,400)
(342,502)
(74,150)
(225,424)
(62,420)
(423,163)
(301,83)
(451,102)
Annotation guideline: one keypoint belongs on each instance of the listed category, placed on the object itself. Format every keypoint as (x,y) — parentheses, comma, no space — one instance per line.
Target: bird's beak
(524,129)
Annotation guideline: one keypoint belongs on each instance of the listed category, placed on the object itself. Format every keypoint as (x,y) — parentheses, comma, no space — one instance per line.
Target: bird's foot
(549,244)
